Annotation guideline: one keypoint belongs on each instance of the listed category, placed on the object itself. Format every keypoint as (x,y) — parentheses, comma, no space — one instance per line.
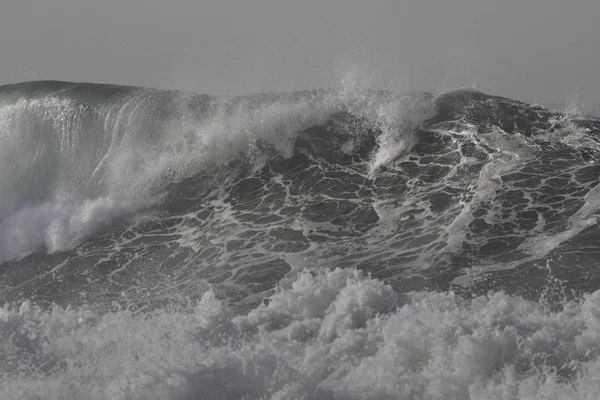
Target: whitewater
(326,244)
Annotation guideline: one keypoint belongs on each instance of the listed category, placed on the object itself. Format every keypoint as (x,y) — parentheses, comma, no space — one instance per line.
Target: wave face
(323,244)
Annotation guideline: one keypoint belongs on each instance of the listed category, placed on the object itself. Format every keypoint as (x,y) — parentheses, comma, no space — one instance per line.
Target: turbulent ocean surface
(329,244)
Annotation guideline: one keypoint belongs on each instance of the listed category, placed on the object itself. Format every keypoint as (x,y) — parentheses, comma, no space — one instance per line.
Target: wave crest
(82,143)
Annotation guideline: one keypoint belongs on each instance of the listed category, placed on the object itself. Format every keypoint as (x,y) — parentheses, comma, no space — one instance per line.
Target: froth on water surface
(327,335)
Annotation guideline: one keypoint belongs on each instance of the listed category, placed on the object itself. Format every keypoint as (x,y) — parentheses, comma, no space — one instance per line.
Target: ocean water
(328,244)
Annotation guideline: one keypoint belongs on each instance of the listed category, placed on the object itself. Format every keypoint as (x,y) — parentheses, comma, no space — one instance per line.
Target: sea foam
(327,335)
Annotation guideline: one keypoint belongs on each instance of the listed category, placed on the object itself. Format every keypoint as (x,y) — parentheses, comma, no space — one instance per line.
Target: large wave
(75,157)
(319,245)
(155,190)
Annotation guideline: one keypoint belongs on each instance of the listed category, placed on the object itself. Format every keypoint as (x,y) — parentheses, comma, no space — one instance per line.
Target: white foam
(585,217)
(509,153)
(58,226)
(330,335)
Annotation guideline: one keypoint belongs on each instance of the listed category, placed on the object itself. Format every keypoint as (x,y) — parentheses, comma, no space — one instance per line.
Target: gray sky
(535,50)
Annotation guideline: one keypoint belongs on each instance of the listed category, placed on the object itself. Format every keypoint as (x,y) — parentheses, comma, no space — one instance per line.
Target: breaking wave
(328,244)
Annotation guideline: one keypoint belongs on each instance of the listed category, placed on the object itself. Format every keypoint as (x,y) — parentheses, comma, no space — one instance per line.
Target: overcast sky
(534,50)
